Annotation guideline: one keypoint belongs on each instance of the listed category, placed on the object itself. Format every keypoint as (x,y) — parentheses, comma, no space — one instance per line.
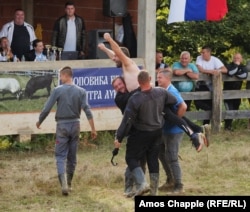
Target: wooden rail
(218,95)
(23,124)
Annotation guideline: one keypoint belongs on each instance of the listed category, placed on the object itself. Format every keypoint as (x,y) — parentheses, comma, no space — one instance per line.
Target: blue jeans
(67,137)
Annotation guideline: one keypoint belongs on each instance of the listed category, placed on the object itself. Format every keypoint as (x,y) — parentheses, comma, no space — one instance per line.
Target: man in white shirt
(207,64)
(69,31)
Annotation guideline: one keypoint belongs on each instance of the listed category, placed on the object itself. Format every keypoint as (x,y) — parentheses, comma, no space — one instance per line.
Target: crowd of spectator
(18,38)
(210,65)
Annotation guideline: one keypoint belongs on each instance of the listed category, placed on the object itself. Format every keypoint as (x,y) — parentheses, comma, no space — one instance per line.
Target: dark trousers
(184,123)
(172,118)
(196,128)
(141,144)
(231,104)
(188,103)
(203,104)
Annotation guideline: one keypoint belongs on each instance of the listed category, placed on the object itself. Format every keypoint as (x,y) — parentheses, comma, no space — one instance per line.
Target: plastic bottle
(4,58)
(23,58)
(15,58)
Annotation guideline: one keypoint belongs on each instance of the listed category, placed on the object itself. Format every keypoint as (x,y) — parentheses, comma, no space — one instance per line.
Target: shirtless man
(120,55)
(122,59)
(127,85)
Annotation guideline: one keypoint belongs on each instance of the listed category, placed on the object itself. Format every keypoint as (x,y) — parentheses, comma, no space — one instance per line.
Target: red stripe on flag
(216,9)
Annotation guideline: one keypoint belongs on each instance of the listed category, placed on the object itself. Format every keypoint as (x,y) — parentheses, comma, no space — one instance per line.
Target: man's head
(19,17)
(164,78)
(117,60)
(66,75)
(119,85)
(125,51)
(38,45)
(70,9)
(206,53)
(158,57)
(237,58)
(144,79)
(185,58)
(4,43)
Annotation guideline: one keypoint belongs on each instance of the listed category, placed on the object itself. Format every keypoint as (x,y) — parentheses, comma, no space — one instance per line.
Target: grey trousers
(67,137)
(168,156)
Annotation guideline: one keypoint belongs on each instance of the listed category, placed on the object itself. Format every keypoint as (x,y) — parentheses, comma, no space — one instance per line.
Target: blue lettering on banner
(98,84)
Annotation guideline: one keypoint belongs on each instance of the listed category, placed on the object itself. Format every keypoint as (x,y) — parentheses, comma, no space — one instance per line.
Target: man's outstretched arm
(116,49)
(108,51)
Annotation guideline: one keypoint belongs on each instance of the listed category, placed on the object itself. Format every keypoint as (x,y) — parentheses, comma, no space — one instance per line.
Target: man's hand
(101,46)
(93,134)
(38,125)
(107,36)
(188,71)
(117,144)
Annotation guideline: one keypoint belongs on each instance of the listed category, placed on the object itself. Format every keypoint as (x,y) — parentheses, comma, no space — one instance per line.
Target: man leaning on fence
(184,67)
(211,65)
(237,69)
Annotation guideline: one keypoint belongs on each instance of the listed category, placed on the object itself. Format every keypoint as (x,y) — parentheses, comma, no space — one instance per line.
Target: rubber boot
(167,186)
(64,185)
(154,182)
(69,180)
(140,182)
(129,183)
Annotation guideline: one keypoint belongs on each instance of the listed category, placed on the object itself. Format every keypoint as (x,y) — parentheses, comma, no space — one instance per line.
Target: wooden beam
(29,11)
(146,34)
(216,103)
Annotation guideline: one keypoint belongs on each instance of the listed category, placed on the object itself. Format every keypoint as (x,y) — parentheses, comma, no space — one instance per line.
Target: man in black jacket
(235,68)
(37,53)
(69,31)
(143,115)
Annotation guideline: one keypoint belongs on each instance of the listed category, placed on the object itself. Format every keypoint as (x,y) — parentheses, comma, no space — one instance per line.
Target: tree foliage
(230,35)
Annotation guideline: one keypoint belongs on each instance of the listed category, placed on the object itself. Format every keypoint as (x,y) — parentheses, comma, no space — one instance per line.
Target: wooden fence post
(217,96)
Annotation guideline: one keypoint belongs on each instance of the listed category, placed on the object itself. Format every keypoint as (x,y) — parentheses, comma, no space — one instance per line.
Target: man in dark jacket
(37,53)
(143,115)
(235,68)
(69,31)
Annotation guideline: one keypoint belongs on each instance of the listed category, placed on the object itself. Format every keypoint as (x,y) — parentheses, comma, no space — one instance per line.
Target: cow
(36,83)
(10,85)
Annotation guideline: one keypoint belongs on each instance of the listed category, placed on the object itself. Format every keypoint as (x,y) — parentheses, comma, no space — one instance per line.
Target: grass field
(29,180)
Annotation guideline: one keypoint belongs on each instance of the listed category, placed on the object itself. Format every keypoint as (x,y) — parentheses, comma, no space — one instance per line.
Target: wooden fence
(23,124)
(218,113)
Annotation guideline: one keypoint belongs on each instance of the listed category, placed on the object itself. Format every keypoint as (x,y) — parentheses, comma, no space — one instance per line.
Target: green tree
(225,37)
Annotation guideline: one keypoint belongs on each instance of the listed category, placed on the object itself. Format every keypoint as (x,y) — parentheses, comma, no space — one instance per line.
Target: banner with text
(97,83)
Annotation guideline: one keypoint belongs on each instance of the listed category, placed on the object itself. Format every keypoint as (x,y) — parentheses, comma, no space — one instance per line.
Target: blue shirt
(186,86)
(40,57)
(168,128)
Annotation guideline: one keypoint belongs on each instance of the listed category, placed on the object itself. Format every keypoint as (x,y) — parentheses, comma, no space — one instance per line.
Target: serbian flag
(197,10)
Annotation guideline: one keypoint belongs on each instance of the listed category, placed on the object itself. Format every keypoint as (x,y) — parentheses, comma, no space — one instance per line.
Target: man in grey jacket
(70,100)
(69,31)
